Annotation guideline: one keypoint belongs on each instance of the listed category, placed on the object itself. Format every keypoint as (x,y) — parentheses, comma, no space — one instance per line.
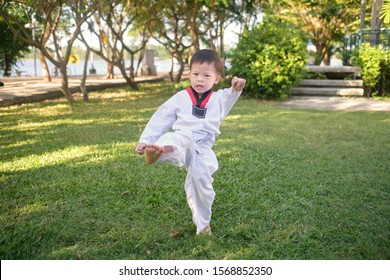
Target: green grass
(292,184)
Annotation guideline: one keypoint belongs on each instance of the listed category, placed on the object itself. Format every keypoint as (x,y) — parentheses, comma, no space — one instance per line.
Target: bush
(272,57)
(375,69)
(384,78)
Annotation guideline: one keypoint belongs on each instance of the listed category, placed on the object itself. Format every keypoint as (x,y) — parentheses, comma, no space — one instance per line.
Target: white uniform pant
(197,157)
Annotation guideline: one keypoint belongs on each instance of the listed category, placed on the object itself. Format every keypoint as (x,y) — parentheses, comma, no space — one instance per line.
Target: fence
(375,37)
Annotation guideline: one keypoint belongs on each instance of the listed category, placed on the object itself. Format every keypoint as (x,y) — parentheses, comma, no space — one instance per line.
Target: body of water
(27,68)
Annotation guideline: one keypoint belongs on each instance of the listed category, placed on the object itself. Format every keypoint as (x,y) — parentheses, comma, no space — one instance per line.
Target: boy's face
(203,77)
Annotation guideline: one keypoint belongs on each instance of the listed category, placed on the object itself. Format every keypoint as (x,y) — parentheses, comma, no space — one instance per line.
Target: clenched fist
(238,84)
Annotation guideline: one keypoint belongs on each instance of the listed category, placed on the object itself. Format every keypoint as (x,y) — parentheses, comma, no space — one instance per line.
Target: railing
(375,37)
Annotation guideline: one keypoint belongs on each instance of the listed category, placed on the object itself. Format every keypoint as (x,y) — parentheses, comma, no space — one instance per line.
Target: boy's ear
(218,79)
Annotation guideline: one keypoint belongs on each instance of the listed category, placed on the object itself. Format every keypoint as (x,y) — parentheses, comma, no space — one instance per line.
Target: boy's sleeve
(160,123)
(228,97)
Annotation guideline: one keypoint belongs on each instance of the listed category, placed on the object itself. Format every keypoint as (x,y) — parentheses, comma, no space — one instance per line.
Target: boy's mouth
(199,87)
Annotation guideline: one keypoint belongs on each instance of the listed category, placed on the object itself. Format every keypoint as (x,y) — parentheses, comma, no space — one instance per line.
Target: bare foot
(153,153)
(206,230)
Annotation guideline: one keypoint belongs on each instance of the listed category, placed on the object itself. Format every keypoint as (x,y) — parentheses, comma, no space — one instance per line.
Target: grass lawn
(292,184)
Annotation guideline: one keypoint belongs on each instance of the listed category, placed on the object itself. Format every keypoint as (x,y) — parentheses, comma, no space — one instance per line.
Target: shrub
(272,57)
(384,78)
(375,69)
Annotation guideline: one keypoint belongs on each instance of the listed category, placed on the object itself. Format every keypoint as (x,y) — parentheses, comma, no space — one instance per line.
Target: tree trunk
(65,85)
(367,91)
(110,71)
(141,57)
(171,71)
(131,67)
(192,18)
(83,88)
(379,20)
(45,68)
(222,35)
(373,25)
(195,38)
(130,81)
(363,14)
(7,65)
(181,69)
(326,59)
(320,51)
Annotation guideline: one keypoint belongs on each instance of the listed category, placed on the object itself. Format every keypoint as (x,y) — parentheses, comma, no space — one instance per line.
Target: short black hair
(208,56)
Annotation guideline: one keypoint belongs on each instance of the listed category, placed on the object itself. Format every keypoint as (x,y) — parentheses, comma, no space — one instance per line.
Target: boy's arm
(229,96)
(160,123)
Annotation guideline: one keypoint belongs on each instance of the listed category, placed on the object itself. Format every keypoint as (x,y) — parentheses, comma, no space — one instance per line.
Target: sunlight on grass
(69,155)
(66,253)
(30,209)
(386,120)
(20,143)
(26,126)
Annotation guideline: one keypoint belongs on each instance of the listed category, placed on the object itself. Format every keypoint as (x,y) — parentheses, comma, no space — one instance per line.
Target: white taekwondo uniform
(190,125)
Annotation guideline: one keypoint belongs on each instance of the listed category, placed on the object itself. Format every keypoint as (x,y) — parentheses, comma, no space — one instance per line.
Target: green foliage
(314,76)
(270,61)
(11,49)
(182,84)
(384,79)
(324,21)
(385,12)
(375,69)
(369,61)
(348,56)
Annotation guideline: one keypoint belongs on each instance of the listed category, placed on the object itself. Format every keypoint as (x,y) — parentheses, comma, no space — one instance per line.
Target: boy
(183,130)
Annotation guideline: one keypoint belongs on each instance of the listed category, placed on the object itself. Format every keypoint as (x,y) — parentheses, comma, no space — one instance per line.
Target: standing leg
(199,188)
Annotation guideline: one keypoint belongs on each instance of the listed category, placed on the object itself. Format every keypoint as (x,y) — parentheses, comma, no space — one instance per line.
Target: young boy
(183,130)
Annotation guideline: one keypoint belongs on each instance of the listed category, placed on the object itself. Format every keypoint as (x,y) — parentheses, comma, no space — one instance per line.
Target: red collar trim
(194,99)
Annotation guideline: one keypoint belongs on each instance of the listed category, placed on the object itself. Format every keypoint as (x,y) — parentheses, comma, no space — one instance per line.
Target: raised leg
(153,152)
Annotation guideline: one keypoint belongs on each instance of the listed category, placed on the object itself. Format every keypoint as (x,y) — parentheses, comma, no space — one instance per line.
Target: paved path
(31,89)
(336,103)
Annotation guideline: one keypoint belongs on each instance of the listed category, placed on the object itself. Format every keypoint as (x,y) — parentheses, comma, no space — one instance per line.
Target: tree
(181,26)
(325,21)
(217,15)
(208,19)
(191,10)
(249,11)
(113,22)
(169,28)
(375,20)
(11,50)
(45,36)
(52,14)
